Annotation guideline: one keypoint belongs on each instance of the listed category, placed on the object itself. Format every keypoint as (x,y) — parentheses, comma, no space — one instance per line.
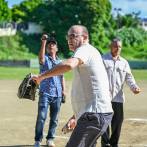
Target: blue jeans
(44,102)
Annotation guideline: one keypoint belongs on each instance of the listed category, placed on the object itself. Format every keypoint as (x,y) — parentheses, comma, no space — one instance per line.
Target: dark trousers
(90,126)
(116,123)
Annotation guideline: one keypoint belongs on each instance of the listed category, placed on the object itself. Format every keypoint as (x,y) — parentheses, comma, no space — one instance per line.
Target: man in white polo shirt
(90,97)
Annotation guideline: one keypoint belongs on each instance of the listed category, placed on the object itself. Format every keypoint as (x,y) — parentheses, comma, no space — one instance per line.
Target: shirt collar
(111,57)
(81,46)
(57,58)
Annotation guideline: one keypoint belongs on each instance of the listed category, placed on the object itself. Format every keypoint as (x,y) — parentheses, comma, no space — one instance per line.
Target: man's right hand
(137,90)
(70,125)
(37,78)
(43,37)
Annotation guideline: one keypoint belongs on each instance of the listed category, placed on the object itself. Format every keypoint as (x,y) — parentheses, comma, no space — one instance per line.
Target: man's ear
(57,49)
(110,46)
(85,37)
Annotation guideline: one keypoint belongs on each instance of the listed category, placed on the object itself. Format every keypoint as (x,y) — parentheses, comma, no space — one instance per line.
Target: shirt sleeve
(130,78)
(42,66)
(82,53)
(43,62)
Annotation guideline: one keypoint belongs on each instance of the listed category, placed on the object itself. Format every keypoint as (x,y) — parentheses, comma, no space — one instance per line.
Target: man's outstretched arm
(131,81)
(59,69)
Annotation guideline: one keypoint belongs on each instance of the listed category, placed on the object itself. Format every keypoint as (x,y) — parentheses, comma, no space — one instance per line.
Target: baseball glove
(27,88)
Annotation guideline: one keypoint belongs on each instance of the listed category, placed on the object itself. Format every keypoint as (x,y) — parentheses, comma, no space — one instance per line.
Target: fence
(24,63)
(138,64)
(35,63)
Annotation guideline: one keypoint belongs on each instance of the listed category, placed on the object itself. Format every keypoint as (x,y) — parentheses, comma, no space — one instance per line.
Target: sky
(127,6)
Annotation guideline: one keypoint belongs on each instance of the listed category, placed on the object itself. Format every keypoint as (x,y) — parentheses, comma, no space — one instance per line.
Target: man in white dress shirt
(118,71)
(90,97)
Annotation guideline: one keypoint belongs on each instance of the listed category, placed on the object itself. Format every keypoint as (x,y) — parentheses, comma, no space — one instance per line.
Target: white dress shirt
(118,71)
(90,87)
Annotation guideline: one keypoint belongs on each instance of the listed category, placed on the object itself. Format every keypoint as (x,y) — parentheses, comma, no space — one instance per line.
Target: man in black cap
(51,92)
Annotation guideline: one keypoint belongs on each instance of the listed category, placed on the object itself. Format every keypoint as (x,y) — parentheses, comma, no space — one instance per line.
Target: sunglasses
(72,36)
(116,46)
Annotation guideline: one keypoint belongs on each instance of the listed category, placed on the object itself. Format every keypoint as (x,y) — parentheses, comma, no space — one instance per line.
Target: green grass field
(140,75)
(18,73)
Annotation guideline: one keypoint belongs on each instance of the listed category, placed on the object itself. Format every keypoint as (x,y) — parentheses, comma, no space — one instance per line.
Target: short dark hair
(115,40)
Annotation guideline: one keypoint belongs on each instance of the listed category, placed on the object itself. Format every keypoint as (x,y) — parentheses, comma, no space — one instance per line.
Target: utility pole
(117,9)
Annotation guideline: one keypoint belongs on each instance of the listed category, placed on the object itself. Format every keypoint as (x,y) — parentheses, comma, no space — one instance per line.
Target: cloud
(129,6)
(139,4)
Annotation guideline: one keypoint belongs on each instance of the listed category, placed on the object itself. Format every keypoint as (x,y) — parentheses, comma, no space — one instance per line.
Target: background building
(143,23)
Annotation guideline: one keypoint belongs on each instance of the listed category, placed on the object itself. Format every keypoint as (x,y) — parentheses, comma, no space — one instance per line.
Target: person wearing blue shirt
(51,92)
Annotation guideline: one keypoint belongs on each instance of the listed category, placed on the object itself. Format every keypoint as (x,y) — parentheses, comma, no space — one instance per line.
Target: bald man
(90,97)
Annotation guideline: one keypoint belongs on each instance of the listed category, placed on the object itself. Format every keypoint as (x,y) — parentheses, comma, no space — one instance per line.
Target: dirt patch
(18,118)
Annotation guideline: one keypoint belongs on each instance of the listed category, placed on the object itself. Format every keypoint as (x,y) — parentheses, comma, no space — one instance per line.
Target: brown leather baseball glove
(27,88)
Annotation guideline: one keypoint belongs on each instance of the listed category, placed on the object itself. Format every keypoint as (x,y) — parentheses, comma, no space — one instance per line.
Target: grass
(18,73)
(140,75)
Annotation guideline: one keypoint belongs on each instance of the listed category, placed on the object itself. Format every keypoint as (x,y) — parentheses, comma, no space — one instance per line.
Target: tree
(126,21)
(5,12)
(23,12)
(59,15)
(129,20)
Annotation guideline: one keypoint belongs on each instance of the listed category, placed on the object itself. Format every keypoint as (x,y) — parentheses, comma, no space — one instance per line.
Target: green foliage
(131,37)
(58,16)
(5,12)
(134,43)
(11,49)
(25,9)
(32,42)
(134,53)
(135,39)
(143,33)
(129,20)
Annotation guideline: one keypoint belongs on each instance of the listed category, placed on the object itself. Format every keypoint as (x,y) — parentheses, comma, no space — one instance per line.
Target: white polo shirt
(90,87)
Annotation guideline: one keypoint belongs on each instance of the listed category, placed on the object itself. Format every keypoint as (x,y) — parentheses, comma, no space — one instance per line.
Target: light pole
(117,9)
